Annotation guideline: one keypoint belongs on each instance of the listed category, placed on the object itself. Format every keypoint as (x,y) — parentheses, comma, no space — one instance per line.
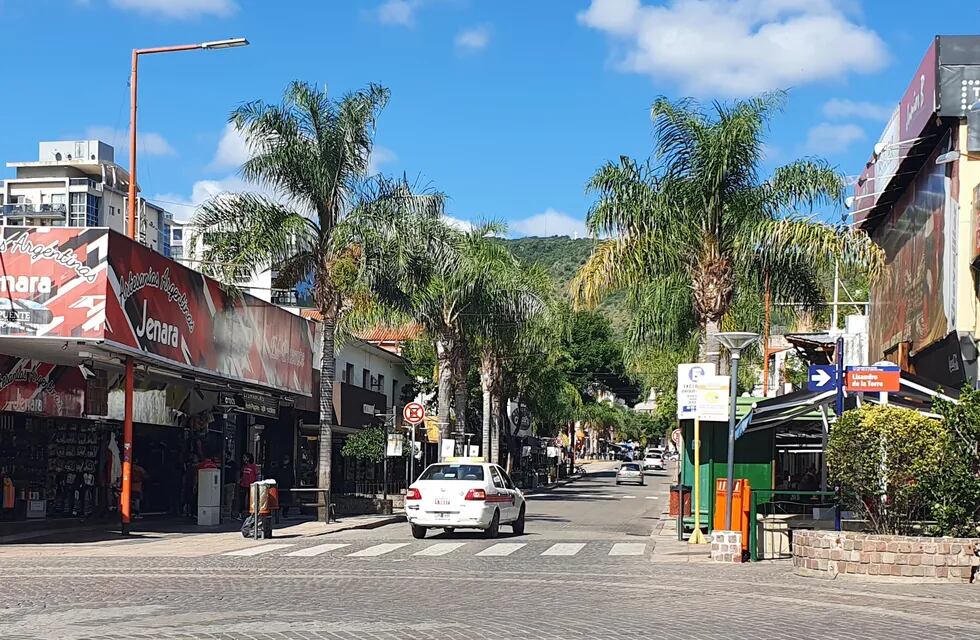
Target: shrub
(889,463)
(956,495)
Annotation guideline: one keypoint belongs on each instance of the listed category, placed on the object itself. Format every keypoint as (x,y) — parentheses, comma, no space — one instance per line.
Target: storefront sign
(916,109)
(92,283)
(959,74)
(260,404)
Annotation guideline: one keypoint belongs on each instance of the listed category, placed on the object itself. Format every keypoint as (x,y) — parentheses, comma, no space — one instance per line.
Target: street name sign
(821,377)
(874,379)
(687,380)
(712,399)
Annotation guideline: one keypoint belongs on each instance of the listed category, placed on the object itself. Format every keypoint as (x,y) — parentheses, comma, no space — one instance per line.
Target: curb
(373,524)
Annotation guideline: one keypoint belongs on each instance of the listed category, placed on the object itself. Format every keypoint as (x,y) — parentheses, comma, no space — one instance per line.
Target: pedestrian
(137,479)
(248,474)
(285,480)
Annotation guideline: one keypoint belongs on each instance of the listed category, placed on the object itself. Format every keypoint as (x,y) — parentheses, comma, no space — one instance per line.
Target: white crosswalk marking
(628,497)
(628,549)
(377,550)
(440,549)
(564,549)
(653,497)
(254,551)
(319,549)
(502,549)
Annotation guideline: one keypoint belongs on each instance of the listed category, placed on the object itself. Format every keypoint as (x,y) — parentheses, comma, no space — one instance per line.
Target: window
(177,235)
(497,480)
(347,374)
(78,204)
(365,378)
(453,472)
(507,481)
(394,392)
(379,385)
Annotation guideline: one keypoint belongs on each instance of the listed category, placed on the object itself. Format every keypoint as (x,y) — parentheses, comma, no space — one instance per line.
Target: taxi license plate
(442,500)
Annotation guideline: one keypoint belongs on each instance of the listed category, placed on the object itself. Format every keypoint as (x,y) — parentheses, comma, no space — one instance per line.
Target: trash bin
(741,503)
(266,494)
(676,490)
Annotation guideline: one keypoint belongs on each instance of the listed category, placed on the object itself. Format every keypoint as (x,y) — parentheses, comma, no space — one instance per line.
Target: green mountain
(563,256)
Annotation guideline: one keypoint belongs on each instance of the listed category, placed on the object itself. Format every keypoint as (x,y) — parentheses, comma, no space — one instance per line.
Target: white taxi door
(506,498)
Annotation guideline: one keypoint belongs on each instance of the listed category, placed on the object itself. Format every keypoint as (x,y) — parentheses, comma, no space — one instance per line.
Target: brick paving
(460,595)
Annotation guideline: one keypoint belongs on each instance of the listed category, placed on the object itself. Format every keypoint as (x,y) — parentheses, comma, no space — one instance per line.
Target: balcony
(54,211)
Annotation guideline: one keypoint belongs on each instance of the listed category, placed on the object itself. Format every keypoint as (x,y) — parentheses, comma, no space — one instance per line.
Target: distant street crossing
(441,549)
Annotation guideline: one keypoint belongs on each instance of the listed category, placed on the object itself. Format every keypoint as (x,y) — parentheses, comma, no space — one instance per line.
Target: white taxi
(464,495)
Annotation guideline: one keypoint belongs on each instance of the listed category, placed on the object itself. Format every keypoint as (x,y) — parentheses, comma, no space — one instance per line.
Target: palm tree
(690,229)
(311,151)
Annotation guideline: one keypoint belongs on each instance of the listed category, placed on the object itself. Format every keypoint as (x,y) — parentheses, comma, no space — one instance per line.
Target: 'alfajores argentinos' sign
(93,283)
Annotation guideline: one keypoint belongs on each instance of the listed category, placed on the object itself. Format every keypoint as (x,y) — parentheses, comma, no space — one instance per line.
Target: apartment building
(77,183)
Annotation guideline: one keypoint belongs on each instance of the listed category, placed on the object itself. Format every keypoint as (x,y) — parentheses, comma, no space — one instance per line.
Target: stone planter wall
(834,553)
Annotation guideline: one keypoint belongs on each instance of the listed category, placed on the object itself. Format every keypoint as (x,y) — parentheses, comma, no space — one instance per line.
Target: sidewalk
(186,540)
(667,548)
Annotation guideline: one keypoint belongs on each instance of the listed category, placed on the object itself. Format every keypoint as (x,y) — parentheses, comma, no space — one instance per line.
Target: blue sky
(507,106)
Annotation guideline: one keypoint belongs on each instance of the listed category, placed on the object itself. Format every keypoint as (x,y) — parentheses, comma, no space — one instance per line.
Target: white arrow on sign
(821,378)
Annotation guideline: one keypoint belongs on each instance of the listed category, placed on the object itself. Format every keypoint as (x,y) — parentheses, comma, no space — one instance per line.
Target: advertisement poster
(52,282)
(914,301)
(713,399)
(687,380)
(29,386)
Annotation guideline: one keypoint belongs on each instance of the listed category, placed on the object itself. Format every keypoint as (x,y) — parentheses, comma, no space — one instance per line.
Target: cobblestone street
(582,570)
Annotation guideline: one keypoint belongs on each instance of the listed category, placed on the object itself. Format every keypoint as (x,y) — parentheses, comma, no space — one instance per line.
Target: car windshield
(631,467)
(453,472)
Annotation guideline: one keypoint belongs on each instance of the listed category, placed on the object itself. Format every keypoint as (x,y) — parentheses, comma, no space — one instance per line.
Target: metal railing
(34,209)
(370,488)
(754,504)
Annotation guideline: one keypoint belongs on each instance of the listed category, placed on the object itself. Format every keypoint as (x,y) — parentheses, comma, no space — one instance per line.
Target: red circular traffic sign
(413,413)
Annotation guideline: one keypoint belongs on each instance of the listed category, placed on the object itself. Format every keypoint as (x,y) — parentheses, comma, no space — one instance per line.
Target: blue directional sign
(821,377)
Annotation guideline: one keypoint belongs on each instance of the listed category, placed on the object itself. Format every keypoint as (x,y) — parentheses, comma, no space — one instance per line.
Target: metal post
(125,493)
(697,537)
(839,405)
(411,457)
(680,490)
(255,509)
(730,483)
(823,444)
(753,528)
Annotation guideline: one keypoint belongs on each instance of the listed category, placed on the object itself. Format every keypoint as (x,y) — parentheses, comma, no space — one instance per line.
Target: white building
(77,183)
(187,247)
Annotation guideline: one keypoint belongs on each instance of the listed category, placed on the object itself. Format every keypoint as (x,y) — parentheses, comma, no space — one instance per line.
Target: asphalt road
(583,569)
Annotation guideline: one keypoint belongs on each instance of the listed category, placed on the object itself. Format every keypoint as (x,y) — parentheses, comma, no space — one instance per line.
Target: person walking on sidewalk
(285,480)
(249,473)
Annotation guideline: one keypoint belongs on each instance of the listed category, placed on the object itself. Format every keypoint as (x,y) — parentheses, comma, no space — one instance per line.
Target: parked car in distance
(465,495)
(653,461)
(630,472)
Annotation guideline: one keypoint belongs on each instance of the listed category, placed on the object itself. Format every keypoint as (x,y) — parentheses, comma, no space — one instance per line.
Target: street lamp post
(735,342)
(127,454)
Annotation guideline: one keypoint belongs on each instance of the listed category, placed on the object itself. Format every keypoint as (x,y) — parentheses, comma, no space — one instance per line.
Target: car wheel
(494,529)
(518,525)
(418,532)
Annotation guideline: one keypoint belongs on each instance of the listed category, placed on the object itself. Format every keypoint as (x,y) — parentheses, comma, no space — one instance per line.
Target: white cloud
(462,225)
(827,138)
(398,12)
(147,142)
(549,223)
(232,149)
(380,156)
(473,39)
(737,47)
(179,9)
(840,109)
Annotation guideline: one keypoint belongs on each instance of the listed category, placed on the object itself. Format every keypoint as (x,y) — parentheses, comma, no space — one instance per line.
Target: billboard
(914,301)
(94,283)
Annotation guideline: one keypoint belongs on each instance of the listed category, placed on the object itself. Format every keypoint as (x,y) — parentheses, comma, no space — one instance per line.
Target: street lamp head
(225,44)
(735,341)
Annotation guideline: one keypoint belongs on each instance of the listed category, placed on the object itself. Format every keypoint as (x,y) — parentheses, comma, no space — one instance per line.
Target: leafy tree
(596,359)
(312,151)
(690,230)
